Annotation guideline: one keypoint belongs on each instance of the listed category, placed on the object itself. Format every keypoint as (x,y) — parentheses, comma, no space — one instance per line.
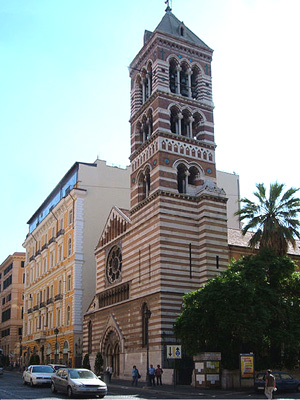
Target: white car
(38,375)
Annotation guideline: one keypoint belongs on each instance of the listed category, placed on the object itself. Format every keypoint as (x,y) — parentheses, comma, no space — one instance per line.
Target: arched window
(90,337)
(184,81)
(181,178)
(173,76)
(144,184)
(195,82)
(70,219)
(58,317)
(193,174)
(197,126)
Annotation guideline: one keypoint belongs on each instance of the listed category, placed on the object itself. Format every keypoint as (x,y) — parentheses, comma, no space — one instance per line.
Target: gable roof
(172,26)
(117,223)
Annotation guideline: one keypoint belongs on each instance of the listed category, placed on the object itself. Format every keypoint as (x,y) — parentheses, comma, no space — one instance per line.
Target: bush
(34,359)
(98,367)
(86,362)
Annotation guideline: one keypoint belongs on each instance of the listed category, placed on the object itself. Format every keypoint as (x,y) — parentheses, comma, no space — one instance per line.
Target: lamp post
(147,315)
(56,332)
(20,354)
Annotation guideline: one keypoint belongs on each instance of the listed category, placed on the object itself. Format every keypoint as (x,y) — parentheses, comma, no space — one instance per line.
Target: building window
(45,265)
(68,315)
(7,282)
(69,247)
(114,265)
(90,337)
(68,282)
(70,220)
(58,317)
(60,287)
(6,315)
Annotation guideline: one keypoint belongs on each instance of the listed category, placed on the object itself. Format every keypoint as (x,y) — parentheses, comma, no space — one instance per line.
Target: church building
(174,236)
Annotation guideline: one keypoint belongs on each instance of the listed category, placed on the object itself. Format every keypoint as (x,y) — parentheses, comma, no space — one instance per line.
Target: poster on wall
(247,365)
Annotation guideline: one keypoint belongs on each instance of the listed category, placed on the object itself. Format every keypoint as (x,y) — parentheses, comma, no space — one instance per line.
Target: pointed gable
(117,223)
(172,26)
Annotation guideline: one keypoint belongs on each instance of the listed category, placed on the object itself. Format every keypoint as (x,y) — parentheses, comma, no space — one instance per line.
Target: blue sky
(64,91)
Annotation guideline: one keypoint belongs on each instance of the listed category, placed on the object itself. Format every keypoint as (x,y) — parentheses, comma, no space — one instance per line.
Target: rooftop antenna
(168,5)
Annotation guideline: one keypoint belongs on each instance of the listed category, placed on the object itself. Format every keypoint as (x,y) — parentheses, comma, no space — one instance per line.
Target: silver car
(77,381)
(38,375)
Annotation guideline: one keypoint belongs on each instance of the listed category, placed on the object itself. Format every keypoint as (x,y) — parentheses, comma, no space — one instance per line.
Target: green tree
(34,359)
(254,306)
(86,362)
(273,219)
(98,367)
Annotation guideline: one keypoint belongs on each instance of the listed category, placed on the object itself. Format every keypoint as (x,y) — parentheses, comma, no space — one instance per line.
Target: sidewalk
(186,390)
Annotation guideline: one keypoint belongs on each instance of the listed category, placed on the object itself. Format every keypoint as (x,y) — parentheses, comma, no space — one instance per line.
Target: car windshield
(42,368)
(78,374)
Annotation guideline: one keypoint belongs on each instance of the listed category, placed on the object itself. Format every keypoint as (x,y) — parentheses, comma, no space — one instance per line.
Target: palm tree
(273,220)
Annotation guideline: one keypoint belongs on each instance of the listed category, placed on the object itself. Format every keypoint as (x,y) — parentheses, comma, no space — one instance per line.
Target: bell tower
(172,133)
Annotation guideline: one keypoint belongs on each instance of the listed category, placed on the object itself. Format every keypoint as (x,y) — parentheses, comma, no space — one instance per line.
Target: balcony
(39,336)
(60,232)
(38,253)
(42,304)
(50,301)
(29,310)
(35,308)
(52,240)
(32,258)
(45,246)
(58,297)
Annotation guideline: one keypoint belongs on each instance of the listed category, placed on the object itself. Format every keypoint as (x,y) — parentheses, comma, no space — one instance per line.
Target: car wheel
(53,390)
(69,391)
(31,383)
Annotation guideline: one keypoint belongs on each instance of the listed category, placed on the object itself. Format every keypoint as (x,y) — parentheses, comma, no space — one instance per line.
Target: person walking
(270,384)
(152,375)
(158,374)
(135,376)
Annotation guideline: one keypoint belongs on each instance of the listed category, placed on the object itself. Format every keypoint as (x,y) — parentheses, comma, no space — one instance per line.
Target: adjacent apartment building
(60,264)
(11,305)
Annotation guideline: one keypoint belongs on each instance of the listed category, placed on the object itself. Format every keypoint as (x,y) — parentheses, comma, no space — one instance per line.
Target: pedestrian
(158,374)
(152,375)
(135,376)
(109,373)
(270,384)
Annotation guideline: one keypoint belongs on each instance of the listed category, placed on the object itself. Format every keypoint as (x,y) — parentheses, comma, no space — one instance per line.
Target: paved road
(11,387)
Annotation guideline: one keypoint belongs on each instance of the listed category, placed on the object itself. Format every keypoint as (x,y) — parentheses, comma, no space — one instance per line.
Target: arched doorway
(111,352)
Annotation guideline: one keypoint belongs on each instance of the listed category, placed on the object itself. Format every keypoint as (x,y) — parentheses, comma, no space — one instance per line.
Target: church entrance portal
(112,352)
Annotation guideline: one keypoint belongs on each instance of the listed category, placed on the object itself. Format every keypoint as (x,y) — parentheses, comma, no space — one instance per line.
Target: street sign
(174,351)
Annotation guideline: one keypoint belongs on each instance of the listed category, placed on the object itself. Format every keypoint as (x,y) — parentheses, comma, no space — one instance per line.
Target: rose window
(114,265)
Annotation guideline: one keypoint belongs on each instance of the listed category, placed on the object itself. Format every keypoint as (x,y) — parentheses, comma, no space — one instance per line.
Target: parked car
(283,381)
(38,375)
(77,381)
(57,366)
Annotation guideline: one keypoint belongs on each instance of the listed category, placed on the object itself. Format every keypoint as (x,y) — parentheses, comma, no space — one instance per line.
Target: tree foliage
(274,220)
(254,306)
(86,362)
(98,367)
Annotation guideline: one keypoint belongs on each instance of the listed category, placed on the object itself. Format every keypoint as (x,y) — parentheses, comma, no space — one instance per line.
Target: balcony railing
(45,246)
(29,310)
(60,232)
(32,258)
(58,297)
(49,301)
(35,308)
(38,253)
(52,240)
(42,304)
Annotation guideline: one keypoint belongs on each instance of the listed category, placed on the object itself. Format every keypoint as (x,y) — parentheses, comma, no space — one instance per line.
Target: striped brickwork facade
(174,237)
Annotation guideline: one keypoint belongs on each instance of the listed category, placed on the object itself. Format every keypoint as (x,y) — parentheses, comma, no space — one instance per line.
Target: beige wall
(106,186)
(231,185)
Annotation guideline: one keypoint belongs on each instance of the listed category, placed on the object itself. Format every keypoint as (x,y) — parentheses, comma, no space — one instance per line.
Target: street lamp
(20,354)
(56,332)
(147,315)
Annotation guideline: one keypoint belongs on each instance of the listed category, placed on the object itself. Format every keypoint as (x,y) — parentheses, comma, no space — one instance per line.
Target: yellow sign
(247,365)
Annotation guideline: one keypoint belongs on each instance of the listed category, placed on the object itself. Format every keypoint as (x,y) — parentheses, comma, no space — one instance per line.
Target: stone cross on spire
(168,5)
